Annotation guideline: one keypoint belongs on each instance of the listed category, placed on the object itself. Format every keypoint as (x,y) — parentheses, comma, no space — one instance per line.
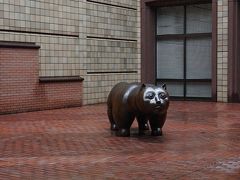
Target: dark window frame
(233,52)
(148,46)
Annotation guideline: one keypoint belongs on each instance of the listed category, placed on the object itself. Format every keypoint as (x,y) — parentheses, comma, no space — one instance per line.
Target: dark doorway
(184,50)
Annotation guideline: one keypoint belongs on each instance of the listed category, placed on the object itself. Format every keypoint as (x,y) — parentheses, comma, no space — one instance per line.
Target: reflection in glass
(199,18)
(175,88)
(198,59)
(170,20)
(199,89)
(170,59)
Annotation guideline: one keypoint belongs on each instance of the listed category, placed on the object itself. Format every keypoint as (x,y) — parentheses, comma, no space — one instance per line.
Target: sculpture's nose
(157,100)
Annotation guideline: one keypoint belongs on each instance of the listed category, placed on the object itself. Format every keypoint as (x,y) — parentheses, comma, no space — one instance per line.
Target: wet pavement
(201,140)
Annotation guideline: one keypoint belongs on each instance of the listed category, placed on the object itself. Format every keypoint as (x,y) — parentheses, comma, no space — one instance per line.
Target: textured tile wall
(222,51)
(40,16)
(113,47)
(110,21)
(57,26)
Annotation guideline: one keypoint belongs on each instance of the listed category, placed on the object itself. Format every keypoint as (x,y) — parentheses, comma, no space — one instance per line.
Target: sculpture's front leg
(156,132)
(156,123)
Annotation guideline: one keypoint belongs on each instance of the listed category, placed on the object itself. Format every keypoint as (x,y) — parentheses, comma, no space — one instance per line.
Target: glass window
(199,89)
(170,20)
(199,18)
(198,60)
(170,59)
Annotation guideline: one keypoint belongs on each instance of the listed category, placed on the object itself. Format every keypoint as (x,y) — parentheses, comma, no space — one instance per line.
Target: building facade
(60,53)
(66,53)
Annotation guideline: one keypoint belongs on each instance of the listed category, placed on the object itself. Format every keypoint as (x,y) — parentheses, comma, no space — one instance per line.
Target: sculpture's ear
(143,86)
(164,86)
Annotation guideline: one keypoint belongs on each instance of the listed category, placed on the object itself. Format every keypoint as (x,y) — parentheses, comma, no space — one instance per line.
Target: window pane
(170,20)
(174,88)
(170,59)
(199,18)
(199,58)
(199,89)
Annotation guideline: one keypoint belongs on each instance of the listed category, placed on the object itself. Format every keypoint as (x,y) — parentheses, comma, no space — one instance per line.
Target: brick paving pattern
(200,141)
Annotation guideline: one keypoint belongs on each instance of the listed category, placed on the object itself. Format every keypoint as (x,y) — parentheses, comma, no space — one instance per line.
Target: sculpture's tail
(111,120)
(110,116)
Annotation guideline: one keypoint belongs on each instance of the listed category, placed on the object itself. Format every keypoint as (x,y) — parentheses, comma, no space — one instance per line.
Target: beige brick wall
(79,37)
(113,47)
(222,50)
(41,16)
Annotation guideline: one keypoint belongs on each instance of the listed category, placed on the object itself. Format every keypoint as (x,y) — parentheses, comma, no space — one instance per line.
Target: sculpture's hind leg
(124,123)
(113,125)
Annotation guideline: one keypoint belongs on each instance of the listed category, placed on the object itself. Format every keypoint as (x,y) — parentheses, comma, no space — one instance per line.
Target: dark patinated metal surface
(145,102)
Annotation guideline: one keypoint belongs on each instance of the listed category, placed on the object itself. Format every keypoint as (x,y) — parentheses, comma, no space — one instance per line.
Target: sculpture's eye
(150,95)
(162,95)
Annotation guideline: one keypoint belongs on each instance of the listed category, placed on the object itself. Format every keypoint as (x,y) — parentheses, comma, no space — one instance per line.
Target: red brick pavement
(200,141)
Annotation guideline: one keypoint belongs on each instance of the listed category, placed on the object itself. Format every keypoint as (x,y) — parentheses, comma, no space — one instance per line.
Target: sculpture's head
(155,99)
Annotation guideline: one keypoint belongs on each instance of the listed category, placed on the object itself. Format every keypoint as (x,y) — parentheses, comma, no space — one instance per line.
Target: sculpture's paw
(113,127)
(157,132)
(123,132)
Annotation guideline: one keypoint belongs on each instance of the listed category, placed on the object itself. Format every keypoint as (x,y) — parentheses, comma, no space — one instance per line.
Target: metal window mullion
(182,36)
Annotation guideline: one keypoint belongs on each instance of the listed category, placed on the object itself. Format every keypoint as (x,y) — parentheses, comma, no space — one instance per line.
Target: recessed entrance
(184,50)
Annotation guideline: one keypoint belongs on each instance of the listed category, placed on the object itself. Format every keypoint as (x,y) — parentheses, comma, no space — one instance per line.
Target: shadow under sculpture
(145,102)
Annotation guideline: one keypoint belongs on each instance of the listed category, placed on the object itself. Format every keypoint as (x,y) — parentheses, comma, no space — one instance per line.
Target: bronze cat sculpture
(145,102)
